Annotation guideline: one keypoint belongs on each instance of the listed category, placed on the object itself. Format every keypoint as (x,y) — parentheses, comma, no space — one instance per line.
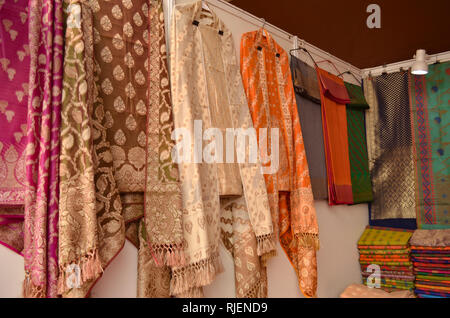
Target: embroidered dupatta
(270,93)
(206,86)
(42,152)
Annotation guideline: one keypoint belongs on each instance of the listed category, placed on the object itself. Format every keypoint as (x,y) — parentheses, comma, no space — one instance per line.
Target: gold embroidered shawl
(206,86)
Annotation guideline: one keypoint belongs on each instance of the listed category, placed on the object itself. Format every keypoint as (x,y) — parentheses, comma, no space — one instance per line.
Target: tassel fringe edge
(169,255)
(309,240)
(86,268)
(197,274)
(30,290)
(265,244)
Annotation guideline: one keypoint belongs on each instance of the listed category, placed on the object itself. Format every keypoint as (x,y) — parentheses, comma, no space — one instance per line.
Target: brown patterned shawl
(129,152)
(90,218)
(228,200)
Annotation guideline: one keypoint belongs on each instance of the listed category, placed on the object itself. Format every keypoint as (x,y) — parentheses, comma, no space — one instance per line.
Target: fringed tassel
(267,256)
(170,255)
(265,244)
(29,290)
(198,274)
(308,240)
(89,268)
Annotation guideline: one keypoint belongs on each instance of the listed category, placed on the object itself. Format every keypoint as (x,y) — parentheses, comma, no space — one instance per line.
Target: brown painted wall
(339,26)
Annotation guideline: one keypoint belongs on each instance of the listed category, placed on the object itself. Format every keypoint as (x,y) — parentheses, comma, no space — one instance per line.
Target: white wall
(339,226)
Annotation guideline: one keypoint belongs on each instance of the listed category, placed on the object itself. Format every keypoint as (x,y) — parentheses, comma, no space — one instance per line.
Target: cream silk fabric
(207,86)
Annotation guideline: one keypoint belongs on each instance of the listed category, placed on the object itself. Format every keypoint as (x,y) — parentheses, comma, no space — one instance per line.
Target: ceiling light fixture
(420,66)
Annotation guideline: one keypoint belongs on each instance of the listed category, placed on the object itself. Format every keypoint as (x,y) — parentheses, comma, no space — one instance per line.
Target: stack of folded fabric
(430,251)
(388,251)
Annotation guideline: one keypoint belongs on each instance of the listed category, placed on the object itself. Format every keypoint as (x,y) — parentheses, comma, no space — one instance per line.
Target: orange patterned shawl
(270,93)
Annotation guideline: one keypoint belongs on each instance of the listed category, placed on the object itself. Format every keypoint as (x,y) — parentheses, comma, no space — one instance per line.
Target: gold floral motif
(127,4)
(145,9)
(128,29)
(116,12)
(106,23)
(129,61)
(145,36)
(118,73)
(119,155)
(94,5)
(120,138)
(137,19)
(136,156)
(119,105)
(129,90)
(107,86)
(106,55)
(142,139)
(11,154)
(138,47)
(130,122)
(141,109)
(97,37)
(118,41)
(109,120)
(139,78)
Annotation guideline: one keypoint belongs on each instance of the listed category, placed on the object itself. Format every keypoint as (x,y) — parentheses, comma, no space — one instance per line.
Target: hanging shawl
(269,89)
(430,114)
(78,242)
(334,118)
(118,161)
(307,96)
(14,70)
(14,73)
(206,86)
(357,145)
(389,145)
(42,152)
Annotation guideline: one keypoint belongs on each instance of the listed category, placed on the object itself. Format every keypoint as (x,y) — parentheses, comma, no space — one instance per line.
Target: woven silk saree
(222,200)
(307,96)
(42,152)
(389,145)
(270,93)
(14,70)
(357,145)
(430,117)
(334,121)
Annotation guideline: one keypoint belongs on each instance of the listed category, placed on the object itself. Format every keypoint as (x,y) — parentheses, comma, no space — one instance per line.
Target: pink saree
(14,73)
(42,151)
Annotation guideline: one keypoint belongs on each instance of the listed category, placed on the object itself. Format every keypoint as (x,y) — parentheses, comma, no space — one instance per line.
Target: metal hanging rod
(262,21)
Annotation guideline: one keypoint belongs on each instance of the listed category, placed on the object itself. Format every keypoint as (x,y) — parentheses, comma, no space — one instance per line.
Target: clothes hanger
(263,27)
(354,76)
(329,61)
(305,50)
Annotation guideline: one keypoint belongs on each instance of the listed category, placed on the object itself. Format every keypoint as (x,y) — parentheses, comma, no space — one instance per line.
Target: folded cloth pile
(430,251)
(362,291)
(384,254)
